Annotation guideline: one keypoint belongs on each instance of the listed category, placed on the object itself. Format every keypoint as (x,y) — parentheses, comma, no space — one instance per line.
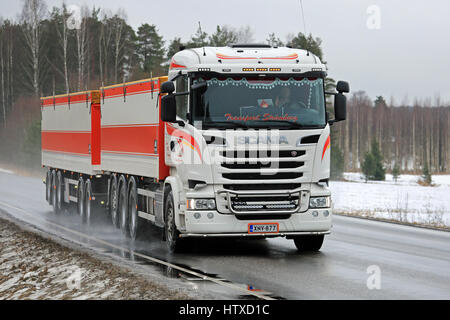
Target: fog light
(326,213)
(315,213)
(210,215)
(197,215)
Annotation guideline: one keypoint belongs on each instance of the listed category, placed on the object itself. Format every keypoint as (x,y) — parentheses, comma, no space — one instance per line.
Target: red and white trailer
(234,143)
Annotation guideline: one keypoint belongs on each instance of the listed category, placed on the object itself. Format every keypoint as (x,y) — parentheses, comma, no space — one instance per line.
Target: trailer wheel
(88,203)
(135,224)
(309,242)
(48,187)
(123,206)
(173,241)
(80,196)
(59,192)
(53,193)
(114,202)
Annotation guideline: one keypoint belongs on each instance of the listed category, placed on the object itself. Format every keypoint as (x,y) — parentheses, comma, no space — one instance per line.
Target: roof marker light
(248,69)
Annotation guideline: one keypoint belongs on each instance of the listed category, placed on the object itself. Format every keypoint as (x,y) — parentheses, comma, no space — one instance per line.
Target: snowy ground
(32,267)
(404,201)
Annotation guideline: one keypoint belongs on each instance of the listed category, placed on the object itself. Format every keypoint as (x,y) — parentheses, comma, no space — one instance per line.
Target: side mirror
(340,107)
(167,87)
(342,87)
(168,107)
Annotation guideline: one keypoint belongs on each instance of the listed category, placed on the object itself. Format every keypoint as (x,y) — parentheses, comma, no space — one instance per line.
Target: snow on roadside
(32,267)
(405,201)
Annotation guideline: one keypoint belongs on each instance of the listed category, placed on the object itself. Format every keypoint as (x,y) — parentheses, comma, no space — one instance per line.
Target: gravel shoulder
(35,267)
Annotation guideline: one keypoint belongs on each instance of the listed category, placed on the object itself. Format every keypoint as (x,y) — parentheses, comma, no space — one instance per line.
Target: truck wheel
(114,202)
(309,242)
(48,187)
(59,192)
(123,206)
(88,203)
(173,241)
(80,197)
(53,193)
(135,224)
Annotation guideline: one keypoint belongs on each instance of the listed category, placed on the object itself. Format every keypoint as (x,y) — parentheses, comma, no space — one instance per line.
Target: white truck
(235,142)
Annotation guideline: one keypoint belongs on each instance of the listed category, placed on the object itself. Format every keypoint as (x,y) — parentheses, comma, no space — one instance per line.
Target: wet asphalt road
(361,259)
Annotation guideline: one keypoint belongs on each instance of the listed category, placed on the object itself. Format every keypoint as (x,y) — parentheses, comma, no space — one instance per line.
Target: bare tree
(245,35)
(63,33)
(33,12)
(82,46)
(118,29)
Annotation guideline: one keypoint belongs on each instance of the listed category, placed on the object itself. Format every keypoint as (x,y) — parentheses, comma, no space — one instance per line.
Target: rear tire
(53,193)
(114,202)
(135,223)
(88,203)
(48,187)
(309,243)
(59,193)
(173,241)
(80,197)
(123,206)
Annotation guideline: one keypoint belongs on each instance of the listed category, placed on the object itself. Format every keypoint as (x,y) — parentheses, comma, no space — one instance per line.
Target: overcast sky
(406,52)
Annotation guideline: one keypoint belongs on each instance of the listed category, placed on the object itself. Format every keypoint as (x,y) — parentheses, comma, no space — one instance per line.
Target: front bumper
(214,224)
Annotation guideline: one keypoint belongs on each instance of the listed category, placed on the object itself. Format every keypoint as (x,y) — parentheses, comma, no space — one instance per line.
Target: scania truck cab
(247,143)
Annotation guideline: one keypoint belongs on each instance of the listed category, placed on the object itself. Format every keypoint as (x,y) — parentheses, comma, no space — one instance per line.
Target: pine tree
(395,172)
(379,171)
(426,175)
(372,166)
(222,37)
(150,49)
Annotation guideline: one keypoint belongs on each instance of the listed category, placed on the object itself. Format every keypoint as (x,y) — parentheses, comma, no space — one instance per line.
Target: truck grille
(262,182)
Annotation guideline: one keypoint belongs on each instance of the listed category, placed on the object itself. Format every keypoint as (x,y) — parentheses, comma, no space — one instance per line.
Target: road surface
(361,259)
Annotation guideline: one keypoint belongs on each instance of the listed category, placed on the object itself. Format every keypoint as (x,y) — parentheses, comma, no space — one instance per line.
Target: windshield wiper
(232,123)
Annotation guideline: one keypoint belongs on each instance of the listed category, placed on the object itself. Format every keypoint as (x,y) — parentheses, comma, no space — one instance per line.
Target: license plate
(263,227)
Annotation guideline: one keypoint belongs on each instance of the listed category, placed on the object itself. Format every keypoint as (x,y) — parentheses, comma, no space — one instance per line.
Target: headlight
(319,202)
(201,204)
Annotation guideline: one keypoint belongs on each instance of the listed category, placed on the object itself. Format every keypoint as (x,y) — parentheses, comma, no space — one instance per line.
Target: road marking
(155,260)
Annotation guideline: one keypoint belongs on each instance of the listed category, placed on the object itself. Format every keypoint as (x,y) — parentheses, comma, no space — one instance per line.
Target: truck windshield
(265,103)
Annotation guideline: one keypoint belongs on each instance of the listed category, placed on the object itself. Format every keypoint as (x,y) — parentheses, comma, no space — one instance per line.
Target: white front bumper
(229,225)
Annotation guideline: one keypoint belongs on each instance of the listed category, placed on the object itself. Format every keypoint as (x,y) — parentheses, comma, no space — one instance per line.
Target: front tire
(173,241)
(309,243)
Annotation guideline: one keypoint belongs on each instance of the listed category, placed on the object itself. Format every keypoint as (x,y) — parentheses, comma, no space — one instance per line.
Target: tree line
(55,51)
(58,50)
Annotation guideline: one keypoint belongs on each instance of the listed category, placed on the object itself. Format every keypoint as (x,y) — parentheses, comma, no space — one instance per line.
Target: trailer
(235,142)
